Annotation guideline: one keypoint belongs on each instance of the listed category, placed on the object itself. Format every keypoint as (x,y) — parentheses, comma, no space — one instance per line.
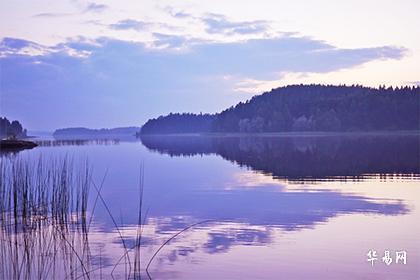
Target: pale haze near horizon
(118,63)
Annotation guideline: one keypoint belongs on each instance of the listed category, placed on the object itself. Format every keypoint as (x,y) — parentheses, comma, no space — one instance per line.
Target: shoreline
(291,134)
(16,144)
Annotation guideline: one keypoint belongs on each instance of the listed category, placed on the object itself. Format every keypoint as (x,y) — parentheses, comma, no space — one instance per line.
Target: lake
(251,207)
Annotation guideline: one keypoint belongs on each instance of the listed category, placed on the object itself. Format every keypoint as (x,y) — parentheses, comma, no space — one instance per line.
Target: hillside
(305,108)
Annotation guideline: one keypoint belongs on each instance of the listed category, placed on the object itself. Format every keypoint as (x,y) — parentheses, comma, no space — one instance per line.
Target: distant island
(95,133)
(305,108)
(12,129)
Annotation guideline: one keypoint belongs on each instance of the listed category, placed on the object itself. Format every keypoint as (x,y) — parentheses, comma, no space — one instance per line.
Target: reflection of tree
(303,157)
(77,142)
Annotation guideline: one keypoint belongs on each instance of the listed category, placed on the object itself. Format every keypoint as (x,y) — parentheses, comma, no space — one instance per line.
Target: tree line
(11,129)
(305,108)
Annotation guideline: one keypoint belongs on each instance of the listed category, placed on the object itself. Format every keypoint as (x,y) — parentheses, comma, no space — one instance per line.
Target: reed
(45,223)
(43,210)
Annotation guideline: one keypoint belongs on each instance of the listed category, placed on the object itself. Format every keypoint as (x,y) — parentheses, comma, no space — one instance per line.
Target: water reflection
(258,225)
(59,143)
(76,142)
(287,210)
(304,157)
(220,242)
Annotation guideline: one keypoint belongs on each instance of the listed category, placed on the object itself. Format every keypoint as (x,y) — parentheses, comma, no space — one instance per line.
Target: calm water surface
(275,207)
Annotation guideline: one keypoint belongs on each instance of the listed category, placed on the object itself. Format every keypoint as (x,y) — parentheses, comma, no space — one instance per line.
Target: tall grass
(43,209)
(45,223)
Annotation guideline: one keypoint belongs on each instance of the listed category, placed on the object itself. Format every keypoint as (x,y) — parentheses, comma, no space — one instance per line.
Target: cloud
(169,41)
(19,47)
(128,24)
(221,242)
(219,24)
(11,46)
(177,14)
(51,15)
(136,25)
(95,8)
(174,42)
(15,44)
(89,8)
(106,82)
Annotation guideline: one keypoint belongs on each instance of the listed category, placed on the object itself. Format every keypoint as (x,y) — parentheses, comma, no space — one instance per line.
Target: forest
(11,129)
(305,108)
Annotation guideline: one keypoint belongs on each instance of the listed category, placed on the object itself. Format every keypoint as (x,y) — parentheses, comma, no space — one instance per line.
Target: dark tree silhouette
(179,123)
(305,108)
(11,129)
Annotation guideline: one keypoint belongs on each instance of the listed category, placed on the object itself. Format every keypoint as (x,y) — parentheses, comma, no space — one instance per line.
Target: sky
(97,64)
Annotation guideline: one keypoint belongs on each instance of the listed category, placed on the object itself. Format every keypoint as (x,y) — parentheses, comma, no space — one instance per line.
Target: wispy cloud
(51,15)
(12,47)
(89,8)
(220,24)
(177,13)
(175,42)
(137,25)
(169,41)
(127,24)
(95,8)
